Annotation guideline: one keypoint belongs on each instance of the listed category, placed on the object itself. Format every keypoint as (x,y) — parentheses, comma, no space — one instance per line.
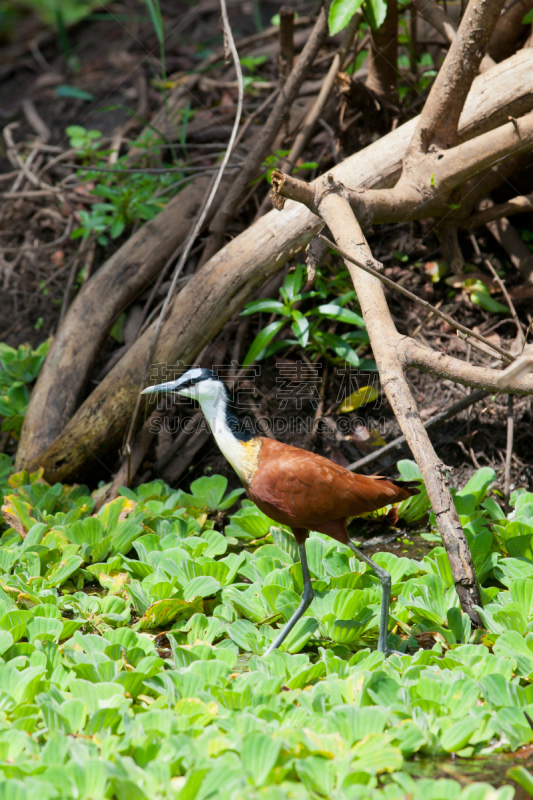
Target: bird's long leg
(307,599)
(385,580)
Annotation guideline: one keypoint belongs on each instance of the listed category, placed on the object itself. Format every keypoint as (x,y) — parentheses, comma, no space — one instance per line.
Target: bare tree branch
(437,175)
(508,29)
(439,120)
(336,212)
(517,205)
(437,17)
(445,25)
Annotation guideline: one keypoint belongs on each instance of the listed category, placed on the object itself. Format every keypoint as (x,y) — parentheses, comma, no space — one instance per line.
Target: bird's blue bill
(171,386)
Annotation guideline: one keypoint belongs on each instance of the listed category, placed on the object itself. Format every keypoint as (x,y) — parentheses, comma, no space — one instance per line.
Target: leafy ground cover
(131,645)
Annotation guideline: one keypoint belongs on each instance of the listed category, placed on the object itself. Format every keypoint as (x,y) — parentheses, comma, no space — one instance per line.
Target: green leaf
(300,326)
(482,297)
(361,397)
(340,347)
(47,630)
(156,19)
(294,282)
(263,338)
(60,572)
(521,775)
(200,587)
(300,635)
(317,775)
(259,755)
(73,92)
(520,546)
(333,311)
(340,14)
(246,636)
(375,12)
(272,306)
(478,484)
(458,734)
(15,622)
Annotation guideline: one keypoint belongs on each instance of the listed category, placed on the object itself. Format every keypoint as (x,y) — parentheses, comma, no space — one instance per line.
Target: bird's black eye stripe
(194,381)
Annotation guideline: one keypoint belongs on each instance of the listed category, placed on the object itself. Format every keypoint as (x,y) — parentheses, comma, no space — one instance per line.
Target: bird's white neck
(242,455)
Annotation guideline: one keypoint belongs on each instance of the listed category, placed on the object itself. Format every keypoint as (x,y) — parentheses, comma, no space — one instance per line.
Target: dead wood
(522,366)
(439,120)
(517,205)
(335,210)
(505,234)
(212,296)
(445,25)
(286,43)
(437,17)
(262,146)
(208,300)
(509,29)
(382,77)
(75,348)
(63,378)
(181,454)
(438,174)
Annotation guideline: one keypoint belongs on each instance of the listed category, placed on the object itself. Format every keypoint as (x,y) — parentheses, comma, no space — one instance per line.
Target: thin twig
(16,159)
(35,120)
(516,205)
(392,285)
(199,221)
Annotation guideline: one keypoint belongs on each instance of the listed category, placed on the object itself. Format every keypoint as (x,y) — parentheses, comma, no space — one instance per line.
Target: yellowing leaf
(367,394)
(129,506)
(115,582)
(163,612)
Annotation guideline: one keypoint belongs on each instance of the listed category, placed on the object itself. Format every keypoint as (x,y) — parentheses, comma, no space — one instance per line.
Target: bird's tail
(413,487)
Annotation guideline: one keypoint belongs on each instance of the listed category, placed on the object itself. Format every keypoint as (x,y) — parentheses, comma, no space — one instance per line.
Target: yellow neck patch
(244,458)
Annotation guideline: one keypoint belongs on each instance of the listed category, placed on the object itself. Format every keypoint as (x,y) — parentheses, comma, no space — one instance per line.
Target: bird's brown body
(306,491)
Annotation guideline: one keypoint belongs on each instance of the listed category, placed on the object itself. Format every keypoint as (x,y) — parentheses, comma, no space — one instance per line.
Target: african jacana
(296,488)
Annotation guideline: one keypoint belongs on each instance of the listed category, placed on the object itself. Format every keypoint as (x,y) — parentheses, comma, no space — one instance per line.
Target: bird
(296,488)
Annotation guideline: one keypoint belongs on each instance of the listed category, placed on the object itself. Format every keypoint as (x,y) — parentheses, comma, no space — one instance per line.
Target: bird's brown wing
(306,490)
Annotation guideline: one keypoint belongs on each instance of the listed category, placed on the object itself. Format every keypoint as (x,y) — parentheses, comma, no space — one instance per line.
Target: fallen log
(63,378)
(234,273)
